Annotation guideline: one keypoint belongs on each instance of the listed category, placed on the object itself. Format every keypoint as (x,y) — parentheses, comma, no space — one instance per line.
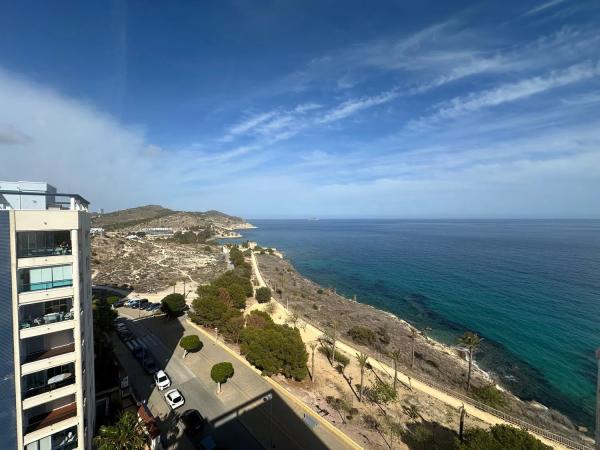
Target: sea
(530,288)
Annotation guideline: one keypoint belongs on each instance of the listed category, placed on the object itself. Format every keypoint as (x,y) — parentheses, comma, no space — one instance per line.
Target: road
(247,414)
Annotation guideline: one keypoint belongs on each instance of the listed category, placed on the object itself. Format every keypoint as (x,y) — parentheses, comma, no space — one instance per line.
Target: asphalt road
(246,415)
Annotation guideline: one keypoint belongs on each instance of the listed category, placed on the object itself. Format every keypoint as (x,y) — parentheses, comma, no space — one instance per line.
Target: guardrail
(502,415)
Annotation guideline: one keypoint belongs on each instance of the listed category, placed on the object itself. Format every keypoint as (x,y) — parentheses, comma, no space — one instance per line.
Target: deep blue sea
(530,288)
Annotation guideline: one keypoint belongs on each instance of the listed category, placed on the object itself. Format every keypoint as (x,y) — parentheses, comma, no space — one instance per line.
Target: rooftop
(31,195)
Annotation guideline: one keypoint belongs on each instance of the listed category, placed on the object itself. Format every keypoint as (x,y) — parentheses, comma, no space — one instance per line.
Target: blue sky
(296,109)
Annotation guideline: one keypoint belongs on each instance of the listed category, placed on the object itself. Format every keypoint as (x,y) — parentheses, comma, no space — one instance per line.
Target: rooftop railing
(71,202)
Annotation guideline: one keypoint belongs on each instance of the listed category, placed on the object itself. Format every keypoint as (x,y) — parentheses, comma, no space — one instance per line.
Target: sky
(295,109)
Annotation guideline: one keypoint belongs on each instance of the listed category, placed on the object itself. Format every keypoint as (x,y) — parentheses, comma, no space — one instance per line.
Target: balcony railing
(55,382)
(44,251)
(40,286)
(51,417)
(55,351)
(46,319)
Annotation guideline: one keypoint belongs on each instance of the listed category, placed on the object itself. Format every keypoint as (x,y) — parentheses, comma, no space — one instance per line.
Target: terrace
(45,313)
(50,414)
(45,278)
(31,244)
(48,380)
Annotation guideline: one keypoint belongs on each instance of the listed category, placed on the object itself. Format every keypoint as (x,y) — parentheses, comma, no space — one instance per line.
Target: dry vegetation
(151,265)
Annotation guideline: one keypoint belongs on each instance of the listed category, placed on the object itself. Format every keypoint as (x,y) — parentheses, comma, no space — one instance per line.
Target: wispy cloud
(511,92)
(353,106)
(544,7)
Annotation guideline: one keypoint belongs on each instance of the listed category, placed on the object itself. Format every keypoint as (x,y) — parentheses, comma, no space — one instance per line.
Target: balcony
(45,313)
(33,244)
(63,440)
(48,380)
(44,278)
(50,353)
(51,415)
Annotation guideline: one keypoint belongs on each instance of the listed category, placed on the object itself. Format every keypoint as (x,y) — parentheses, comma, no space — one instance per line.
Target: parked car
(162,380)
(149,364)
(193,421)
(174,398)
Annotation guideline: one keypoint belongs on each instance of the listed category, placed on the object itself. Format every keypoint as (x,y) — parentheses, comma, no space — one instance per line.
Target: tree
(413,336)
(293,319)
(332,336)
(238,295)
(258,319)
(313,346)
(381,392)
(263,294)
(395,355)
(472,342)
(191,343)
(220,373)
(173,305)
(362,362)
(126,434)
(501,437)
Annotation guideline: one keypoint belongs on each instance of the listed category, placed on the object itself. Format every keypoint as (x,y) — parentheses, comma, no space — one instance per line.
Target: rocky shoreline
(434,361)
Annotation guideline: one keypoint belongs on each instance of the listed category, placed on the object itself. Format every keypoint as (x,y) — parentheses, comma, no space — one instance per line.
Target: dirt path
(310,333)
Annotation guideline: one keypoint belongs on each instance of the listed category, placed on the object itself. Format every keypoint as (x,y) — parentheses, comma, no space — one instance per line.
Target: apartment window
(43,243)
(45,278)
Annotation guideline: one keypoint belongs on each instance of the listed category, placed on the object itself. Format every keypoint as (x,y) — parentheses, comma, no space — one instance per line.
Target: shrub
(275,349)
(490,395)
(111,299)
(362,335)
(371,422)
(191,344)
(258,319)
(173,304)
(319,291)
(500,437)
(263,295)
(339,357)
(381,392)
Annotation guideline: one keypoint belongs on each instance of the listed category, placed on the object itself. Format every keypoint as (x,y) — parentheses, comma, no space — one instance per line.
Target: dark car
(193,421)
(149,364)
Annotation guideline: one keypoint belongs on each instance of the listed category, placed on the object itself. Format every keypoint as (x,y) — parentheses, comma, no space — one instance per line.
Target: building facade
(46,333)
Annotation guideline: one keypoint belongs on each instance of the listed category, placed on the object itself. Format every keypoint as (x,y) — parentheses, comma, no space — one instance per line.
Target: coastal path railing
(502,415)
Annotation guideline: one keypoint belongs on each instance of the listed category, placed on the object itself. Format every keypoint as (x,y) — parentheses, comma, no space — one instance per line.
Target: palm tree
(472,342)
(413,336)
(412,411)
(332,335)
(395,355)
(126,434)
(313,346)
(362,362)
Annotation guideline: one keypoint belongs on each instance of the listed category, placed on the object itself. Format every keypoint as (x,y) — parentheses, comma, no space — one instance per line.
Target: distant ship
(313,219)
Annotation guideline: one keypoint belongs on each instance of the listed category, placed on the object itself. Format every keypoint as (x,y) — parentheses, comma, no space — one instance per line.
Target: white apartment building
(46,334)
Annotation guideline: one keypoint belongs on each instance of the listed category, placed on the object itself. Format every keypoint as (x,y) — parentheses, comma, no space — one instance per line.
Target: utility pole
(598,402)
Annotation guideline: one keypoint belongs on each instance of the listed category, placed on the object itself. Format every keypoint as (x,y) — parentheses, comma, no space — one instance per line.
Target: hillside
(134,219)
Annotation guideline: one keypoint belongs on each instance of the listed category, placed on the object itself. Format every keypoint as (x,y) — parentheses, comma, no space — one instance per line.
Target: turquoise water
(530,288)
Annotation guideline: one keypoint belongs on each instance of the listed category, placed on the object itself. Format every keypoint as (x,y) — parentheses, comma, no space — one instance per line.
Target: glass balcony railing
(40,286)
(52,383)
(46,319)
(44,251)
